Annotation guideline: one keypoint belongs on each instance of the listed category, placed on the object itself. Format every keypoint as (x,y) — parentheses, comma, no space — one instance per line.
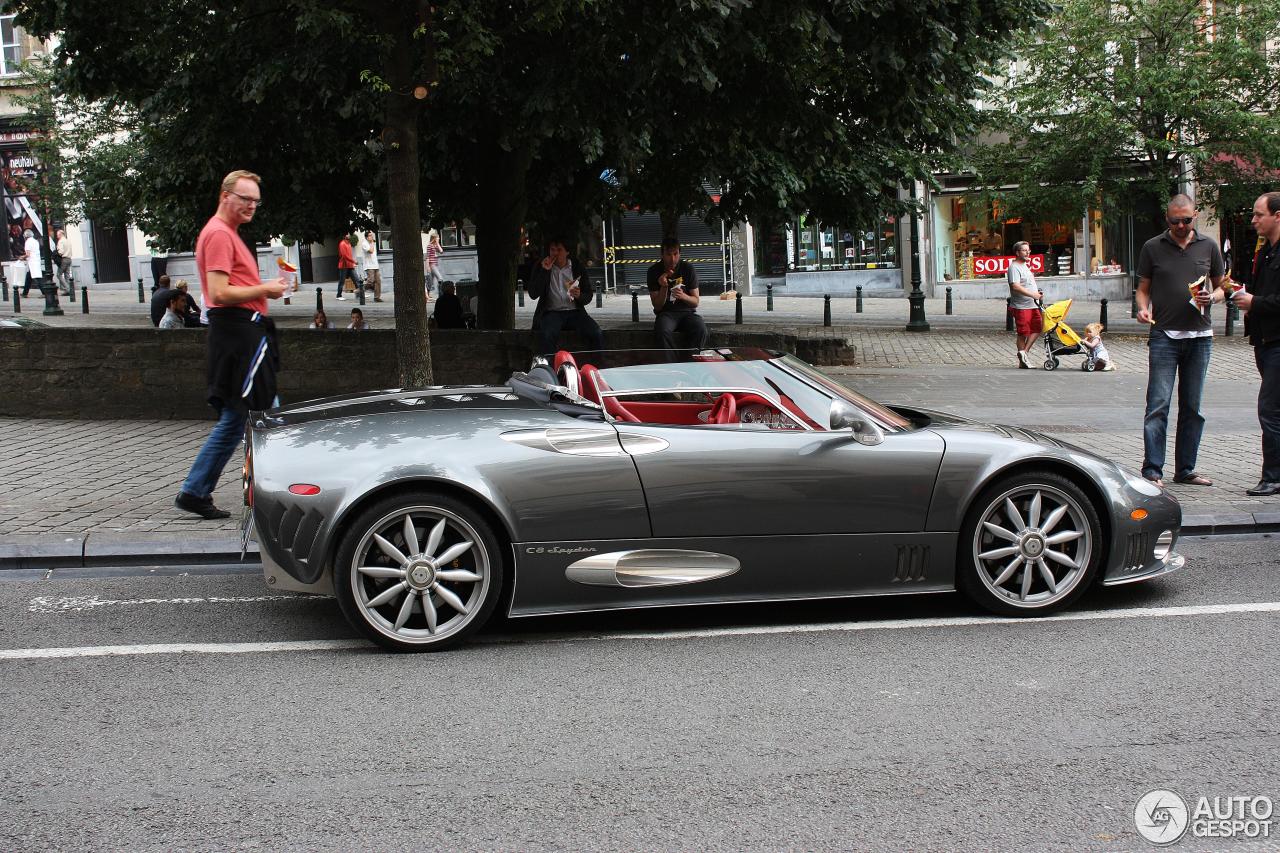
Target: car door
(804,512)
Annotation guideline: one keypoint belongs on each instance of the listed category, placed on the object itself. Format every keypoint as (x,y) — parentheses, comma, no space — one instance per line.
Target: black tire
(998,583)
(425,615)
(1050,364)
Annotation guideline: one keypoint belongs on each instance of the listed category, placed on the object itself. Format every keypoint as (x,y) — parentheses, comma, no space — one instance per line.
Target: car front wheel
(1031,544)
(418,572)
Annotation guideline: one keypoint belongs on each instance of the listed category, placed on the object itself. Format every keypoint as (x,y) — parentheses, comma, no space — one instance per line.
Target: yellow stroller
(1060,339)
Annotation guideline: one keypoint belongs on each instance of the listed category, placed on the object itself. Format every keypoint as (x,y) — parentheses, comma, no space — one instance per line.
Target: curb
(93,550)
(86,550)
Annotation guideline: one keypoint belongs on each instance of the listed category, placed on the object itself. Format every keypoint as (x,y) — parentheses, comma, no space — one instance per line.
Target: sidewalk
(98,491)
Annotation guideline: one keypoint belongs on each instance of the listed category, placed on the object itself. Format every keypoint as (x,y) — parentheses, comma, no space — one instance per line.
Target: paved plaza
(112,482)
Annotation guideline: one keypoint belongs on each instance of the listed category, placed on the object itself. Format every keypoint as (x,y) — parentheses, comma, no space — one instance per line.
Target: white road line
(889,624)
(80,603)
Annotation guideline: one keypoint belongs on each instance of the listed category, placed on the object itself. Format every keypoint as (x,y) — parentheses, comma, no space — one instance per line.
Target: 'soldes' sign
(999,264)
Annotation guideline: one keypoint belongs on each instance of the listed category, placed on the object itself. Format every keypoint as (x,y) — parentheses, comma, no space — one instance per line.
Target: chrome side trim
(639,445)
(651,567)
(568,440)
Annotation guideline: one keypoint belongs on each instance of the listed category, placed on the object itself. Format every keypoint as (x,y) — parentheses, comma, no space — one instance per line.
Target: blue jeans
(223,440)
(1267,358)
(1188,361)
(551,323)
(345,274)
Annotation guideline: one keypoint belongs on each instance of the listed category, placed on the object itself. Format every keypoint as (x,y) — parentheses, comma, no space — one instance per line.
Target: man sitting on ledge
(673,290)
(562,292)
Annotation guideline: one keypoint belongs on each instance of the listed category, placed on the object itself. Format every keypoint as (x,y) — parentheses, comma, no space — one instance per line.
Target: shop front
(809,257)
(973,247)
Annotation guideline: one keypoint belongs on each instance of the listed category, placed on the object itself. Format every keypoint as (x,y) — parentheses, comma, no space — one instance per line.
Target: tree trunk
(500,215)
(400,141)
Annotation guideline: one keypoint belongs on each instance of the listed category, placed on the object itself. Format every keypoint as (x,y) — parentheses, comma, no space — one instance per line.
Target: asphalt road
(830,725)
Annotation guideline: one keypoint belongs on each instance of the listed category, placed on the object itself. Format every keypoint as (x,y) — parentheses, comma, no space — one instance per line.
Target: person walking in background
(35,261)
(159,263)
(1261,304)
(1023,296)
(63,250)
(562,292)
(242,360)
(346,264)
(1181,338)
(673,291)
(369,259)
(434,251)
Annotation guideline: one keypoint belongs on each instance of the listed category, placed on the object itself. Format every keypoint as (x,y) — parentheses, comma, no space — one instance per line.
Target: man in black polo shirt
(1181,338)
(673,290)
(1261,304)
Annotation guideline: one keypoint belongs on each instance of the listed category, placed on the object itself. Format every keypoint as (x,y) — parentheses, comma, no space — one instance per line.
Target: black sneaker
(202,507)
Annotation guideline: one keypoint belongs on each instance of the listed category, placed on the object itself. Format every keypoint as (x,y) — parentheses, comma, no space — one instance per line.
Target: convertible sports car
(620,479)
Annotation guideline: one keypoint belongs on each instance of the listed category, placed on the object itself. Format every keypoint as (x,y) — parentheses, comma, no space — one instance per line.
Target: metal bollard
(319,298)
(768,297)
(4,283)
(520,294)
(84,300)
(826,309)
(17,301)
(1008,313)
(71,294)
(1102,315)
(1133,306)
(600,296)
(949,307)
(737,309)
(142,297)
(1232,311)
(360,293)
(635,308)
(857,308)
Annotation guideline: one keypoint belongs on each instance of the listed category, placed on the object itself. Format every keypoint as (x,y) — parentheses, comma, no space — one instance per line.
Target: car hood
(442,398)
(944,422)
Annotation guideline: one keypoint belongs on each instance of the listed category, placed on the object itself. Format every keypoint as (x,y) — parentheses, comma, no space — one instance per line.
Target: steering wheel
(724,410)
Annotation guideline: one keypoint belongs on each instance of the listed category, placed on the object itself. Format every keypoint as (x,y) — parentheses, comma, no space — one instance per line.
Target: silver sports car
(621,479)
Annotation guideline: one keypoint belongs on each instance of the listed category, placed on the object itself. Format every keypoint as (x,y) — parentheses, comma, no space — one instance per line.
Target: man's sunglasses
(1179,220)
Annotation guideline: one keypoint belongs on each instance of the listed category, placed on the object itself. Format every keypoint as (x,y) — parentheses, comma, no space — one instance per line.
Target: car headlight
(1139,483)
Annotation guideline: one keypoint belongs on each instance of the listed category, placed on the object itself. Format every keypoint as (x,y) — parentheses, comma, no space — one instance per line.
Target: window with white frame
(11,49)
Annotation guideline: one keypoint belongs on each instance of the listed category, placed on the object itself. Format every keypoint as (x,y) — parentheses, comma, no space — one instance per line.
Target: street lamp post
(917,323)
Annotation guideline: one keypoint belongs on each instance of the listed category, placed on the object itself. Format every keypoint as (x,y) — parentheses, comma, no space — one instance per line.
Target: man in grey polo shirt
(1181,338)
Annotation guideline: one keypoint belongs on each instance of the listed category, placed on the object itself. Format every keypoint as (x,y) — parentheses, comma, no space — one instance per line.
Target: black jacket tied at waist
(243,359)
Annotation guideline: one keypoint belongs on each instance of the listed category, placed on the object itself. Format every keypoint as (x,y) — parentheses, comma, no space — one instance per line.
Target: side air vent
(913,563)
(1137,551)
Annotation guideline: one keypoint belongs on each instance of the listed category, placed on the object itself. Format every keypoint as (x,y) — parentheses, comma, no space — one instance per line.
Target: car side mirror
(845,415)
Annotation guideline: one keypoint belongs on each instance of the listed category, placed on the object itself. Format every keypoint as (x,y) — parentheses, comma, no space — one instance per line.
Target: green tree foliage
(820,105)
(1117,104)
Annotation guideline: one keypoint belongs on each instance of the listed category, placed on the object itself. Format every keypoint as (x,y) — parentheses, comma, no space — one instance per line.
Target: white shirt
(368,254)
(64,248)
(34,262)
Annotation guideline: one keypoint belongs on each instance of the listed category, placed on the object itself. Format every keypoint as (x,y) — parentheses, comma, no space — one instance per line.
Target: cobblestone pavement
(76,477)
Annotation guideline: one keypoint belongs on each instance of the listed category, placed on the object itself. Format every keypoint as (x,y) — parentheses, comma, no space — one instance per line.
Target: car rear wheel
(1031,544)
(418,572)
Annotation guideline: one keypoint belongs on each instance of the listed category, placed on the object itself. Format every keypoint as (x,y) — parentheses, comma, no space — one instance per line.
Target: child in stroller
(1062,340)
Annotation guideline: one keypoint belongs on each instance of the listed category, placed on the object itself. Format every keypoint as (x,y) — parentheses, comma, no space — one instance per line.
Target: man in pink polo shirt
(242,359)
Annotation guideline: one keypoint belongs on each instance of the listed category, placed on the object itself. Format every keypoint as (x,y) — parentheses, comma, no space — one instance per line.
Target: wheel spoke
(454,552)
(459,575)
(410,535)
(434,537)
(1052,519)
(390,550)
(996,530)
(1064,536)
(1026,580)
(388,594)
(1033,512)
(429,610)
(1059,557)
(1014,515)
(998,553)
(1008,571)
(405,610)
(1047,574)
(381,572)
(450,598)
